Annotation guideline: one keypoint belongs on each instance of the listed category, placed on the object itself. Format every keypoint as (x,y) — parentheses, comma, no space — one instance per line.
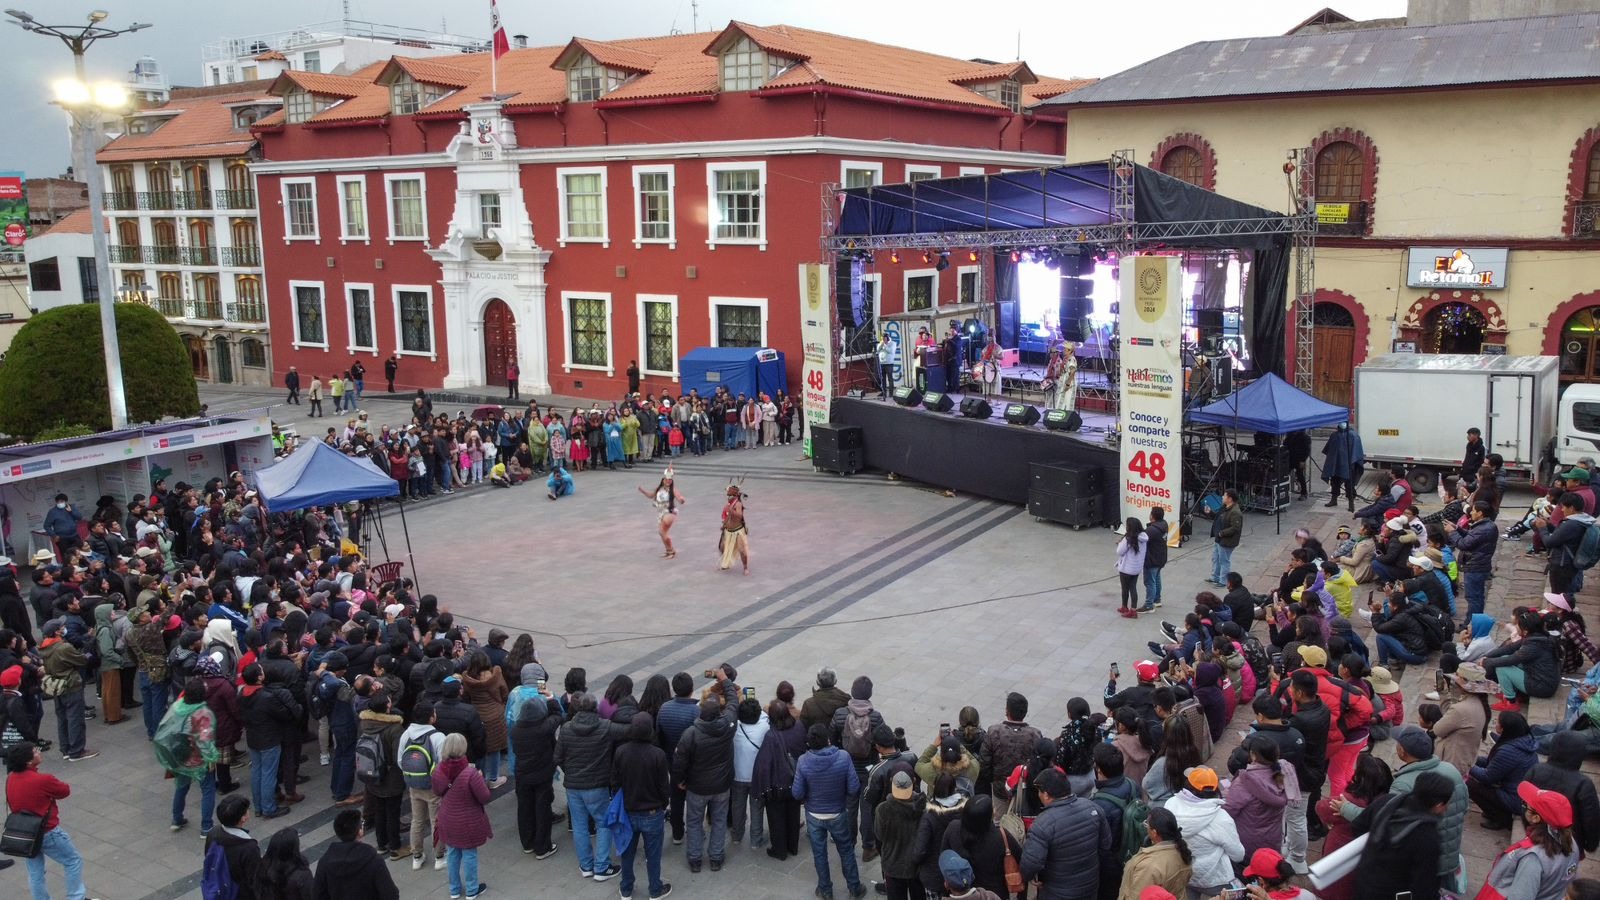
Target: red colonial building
(606,201)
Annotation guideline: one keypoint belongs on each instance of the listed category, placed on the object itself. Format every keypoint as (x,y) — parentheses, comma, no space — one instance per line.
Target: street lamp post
(85,103)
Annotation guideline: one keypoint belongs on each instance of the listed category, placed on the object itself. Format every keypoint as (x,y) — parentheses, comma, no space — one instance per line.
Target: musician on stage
(987,372)
(885,372)
(950,354)
(1061,376)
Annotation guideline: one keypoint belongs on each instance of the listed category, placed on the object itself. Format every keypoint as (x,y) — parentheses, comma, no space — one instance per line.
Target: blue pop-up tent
(742,370)
(1271,405)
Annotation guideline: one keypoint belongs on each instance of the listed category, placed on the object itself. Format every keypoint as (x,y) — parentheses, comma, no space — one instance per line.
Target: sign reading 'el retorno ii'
(1473,268)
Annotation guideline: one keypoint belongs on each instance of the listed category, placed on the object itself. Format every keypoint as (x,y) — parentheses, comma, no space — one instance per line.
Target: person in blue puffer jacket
(1492,783)
(824,779)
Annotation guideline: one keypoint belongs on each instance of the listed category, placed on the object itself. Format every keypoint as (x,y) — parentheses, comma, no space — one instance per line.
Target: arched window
(1591,181)
(1185,164)
(1340,170)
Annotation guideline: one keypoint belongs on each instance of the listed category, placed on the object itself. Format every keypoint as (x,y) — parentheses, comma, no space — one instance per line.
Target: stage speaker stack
(1222,376)
(1077,286)
(1066,493)
(1022,414)
(907,396)
(838,448)
(976,408)
(1062,420)
(937,402)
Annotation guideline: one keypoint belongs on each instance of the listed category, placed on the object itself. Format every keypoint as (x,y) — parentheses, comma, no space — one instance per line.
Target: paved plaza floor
(942,601)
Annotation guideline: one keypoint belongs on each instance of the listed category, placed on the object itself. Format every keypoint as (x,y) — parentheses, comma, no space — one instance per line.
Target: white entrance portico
(489,254)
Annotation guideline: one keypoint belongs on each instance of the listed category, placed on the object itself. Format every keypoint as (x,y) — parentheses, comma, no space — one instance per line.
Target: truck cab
(1578,424)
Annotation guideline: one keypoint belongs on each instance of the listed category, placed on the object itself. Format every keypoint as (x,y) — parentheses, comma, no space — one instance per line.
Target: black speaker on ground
(937,402)
(907,396)
(1022,414)
(1074,482)
(844,462)
(976,408)
(1062,420)
(829,437)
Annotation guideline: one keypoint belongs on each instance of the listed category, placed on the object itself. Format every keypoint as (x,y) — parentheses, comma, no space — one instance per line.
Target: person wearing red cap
(1269,871)
(14,716)
(1541,865)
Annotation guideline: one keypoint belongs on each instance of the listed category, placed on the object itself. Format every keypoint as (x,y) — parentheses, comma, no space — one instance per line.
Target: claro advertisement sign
(13,215)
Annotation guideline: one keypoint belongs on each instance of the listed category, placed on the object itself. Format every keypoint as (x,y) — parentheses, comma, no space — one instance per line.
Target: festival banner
(816,334)
(1151,422)
(13,215)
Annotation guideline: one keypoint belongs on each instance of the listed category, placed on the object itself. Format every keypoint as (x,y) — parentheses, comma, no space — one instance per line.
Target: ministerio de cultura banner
(1151,324)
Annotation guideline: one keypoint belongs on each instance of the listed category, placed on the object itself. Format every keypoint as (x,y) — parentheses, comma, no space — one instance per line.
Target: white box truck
(1413,411)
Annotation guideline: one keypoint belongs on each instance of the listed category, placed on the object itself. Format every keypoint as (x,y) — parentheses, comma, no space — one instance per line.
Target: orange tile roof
(76,222)
(677,66)
(270,56)
(201,129)
(611,55)
(1045,88)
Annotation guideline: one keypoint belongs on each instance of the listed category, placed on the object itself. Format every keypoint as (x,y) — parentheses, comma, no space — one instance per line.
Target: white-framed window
(923,173)
(654,213)
(413,320)
(586,323)
(1007,91)
(738,321)
(583,205)
(408,96)
(408,210)
(969,283)
(358,317)
(861,341)
(921,289)
(973,170)
(300,209)
(658,334)
(853,174)
(488,210)
(352,207)
(738,194)
(745,66)
(310,314)
(298,106)
(312,61)
(588,80)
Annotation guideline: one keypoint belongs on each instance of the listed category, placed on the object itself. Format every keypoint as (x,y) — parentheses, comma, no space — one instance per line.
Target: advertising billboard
(13,216)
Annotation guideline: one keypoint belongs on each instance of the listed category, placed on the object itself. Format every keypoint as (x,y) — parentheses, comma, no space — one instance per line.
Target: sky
(1057,37)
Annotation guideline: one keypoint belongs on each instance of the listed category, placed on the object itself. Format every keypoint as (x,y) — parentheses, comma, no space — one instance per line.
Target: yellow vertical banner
(1151,326)
(816,334)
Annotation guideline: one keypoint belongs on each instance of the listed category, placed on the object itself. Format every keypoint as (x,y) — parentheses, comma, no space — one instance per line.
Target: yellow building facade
(1408,181)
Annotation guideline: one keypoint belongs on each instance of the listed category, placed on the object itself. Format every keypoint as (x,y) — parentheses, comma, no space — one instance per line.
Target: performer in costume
(735,538)
(987,372)
(1061,376)
(666,500)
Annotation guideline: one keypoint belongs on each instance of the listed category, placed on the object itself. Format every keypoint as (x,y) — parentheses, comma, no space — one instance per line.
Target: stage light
(894,256)
(972,256)
(1016,256)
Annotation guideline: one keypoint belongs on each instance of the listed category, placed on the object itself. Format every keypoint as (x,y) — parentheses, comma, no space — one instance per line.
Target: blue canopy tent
(742,370)
(318,475)
(1270,405)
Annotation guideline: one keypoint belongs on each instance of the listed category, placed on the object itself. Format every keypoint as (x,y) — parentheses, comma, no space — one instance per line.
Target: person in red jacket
(32,791)
(1346,706)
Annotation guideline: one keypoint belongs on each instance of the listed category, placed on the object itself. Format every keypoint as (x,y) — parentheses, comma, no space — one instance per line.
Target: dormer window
(408,96)
(588,80)
(745,66)
(1007,92)
(300,105)
(138,126)
(244,118)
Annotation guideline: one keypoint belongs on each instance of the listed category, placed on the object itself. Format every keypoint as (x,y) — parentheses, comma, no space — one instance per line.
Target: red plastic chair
(384,573)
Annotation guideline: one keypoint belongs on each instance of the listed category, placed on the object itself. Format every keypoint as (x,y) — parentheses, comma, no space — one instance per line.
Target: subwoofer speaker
(1022,414)
(907,396)
(1062,420)
(937,402)
(976,408)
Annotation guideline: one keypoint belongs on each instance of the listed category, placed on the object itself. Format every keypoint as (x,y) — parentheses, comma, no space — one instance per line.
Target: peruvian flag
(501,45)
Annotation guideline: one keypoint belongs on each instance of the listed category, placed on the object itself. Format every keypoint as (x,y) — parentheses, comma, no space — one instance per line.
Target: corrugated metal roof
(1540,48)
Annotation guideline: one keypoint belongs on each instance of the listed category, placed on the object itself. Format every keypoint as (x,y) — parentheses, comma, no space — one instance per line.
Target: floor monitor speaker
(1062,420)
(907,396)
(976,408)
(937,402)
(1022,414)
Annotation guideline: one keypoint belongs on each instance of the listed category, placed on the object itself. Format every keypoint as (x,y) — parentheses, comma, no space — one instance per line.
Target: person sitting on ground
(1562,774)
(1492,783)
(559,484)
(498,475)
(1526,666)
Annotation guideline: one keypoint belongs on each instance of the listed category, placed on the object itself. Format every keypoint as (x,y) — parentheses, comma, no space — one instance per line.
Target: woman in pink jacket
(1259,794)
(463,822)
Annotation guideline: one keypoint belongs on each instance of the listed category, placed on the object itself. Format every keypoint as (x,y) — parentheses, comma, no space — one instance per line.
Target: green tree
(54,374)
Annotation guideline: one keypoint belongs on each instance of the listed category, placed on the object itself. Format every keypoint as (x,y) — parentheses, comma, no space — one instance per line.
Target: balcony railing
(126,253)
(122,200)
(243,198)
(242,257)
(192,199)
(1586,219)
(205,309)
(157,200)
(171,307)
(197,256)
(248,311)
(1341,218)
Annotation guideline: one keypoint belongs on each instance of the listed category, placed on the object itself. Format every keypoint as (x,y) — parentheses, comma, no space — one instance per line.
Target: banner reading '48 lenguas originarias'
(1151,325)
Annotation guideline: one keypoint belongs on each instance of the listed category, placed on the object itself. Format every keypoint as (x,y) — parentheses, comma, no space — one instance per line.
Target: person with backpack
(1526,666)
(1572,541)
(63,682)
(333,699)
(852,731)
(1402,635)
(186,746)
(232,858)
(421,748)
(376,751)
(1165,864)
(533,742)
(350,869)
(271,719)
(455,716)
(1126,814)
(1074,750)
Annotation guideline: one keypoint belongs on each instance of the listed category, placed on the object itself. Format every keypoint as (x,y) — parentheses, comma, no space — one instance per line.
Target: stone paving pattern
(944,602)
